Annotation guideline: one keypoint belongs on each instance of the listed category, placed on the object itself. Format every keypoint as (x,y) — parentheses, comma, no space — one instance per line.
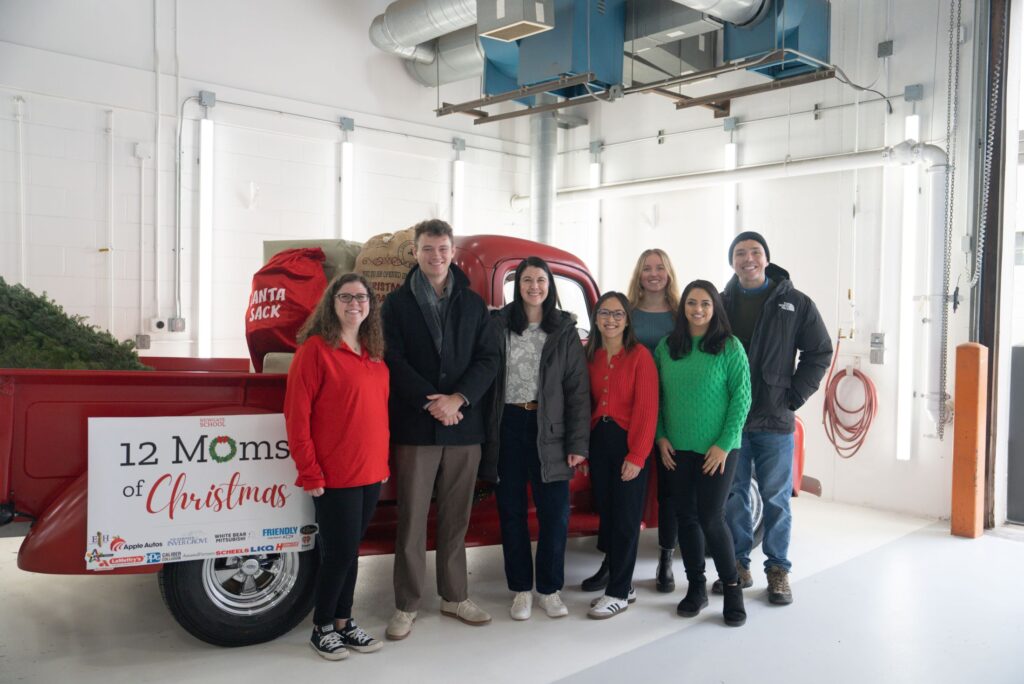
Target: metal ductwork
(543,157)
(407,24)
(452,57)
(738,12)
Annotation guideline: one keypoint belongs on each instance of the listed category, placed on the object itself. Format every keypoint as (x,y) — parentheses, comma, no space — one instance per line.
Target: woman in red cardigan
(336,413)
(624,415)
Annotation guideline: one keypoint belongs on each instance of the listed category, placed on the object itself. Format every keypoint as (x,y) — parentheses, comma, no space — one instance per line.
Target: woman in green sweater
(705,396)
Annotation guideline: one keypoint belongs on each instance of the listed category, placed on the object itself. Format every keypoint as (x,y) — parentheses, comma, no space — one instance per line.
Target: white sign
(163,490)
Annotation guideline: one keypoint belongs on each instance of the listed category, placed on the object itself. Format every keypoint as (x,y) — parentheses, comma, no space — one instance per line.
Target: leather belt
(526,406)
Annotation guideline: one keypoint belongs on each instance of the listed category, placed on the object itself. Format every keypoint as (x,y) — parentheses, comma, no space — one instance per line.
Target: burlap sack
(341,254)
(386,260)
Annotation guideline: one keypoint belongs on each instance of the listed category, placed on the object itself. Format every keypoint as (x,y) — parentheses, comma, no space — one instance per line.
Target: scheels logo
(266,548)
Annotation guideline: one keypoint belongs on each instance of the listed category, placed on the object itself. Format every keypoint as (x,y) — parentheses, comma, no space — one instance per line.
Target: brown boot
(779,592)
(746,580)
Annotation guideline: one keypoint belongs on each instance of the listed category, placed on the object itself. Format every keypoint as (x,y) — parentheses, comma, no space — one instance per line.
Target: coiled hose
(847,428)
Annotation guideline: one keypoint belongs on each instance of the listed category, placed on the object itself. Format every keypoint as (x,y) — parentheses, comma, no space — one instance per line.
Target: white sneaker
(400,625)
(606,607)
(466,611)
(522,605)
(631,598)
(552,605)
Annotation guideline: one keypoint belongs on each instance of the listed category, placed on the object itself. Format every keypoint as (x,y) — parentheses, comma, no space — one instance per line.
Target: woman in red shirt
(624,415)
(336,413)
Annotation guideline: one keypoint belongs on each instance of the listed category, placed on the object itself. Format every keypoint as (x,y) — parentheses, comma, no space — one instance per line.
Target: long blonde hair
(671,289)
(324,322)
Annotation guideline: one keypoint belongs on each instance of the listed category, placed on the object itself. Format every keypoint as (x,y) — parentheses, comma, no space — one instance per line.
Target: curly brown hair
(324,322)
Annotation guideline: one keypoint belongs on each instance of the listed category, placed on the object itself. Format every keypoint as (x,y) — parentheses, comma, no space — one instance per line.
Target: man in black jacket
(443,357)
(774,321)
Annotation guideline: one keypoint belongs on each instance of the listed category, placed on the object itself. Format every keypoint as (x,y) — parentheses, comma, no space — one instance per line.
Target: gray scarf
(434,308)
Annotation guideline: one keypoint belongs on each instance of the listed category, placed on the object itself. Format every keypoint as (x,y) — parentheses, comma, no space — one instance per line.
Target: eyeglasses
(617,315)
(346,298)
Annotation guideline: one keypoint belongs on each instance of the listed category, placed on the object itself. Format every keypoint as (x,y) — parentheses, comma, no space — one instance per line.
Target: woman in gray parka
(540,426)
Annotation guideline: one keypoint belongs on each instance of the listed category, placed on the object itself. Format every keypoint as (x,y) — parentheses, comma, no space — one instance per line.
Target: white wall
(73,61)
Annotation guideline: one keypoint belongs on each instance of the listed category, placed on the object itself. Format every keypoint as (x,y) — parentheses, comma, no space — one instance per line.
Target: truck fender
(56,543)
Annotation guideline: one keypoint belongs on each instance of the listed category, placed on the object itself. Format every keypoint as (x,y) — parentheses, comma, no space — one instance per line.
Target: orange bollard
(969,421)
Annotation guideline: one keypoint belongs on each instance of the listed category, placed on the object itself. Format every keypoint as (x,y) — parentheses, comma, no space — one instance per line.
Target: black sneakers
(334,645)
(327,643)
(353,637)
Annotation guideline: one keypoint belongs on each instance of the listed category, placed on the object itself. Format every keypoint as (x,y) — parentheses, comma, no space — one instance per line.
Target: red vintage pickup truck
(228,601)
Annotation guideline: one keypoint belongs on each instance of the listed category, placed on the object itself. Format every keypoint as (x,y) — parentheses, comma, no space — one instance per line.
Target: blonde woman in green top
(705,395)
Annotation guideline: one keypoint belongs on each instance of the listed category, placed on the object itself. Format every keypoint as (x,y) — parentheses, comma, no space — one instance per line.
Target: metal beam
(718,98)
(582,99)
(679,97)
(701,75)
(525,91)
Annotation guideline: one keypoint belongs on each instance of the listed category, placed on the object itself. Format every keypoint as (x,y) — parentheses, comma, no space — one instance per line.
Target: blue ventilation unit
(801,25)
(588,37)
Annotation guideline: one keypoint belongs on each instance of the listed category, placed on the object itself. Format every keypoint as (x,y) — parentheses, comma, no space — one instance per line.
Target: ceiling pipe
(908,152)
(738,12)
(407,27)
(454,57)
(543,155)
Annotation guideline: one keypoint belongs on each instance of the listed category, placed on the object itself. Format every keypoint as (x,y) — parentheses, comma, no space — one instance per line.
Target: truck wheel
(757,514)
(757,511)
(240,600)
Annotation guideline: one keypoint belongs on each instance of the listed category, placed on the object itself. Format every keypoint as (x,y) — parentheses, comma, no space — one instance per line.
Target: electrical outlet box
(176,324)
(142,341)
(158,325)
(877,354)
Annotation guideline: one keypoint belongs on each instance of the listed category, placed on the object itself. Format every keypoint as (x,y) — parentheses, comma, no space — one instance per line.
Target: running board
(811,485)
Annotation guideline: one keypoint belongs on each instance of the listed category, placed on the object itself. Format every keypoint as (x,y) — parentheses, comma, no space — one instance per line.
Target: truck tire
(757,514)
(757,511)
(240,600)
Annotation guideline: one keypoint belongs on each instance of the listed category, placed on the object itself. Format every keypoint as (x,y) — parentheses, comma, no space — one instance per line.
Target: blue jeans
(770,456)
(519,468)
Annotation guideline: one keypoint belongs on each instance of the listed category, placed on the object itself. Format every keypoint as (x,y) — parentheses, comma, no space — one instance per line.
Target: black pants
(519,467)
(668,525)
(343,516)
(621,504)
(700,509)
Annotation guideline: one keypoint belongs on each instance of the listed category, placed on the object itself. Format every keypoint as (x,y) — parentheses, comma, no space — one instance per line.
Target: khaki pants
(454,468)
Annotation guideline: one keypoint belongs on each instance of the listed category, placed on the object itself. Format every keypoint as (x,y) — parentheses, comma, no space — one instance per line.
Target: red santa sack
(284,293)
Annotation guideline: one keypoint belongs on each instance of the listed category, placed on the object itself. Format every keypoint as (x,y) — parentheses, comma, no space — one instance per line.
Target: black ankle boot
(599,580)
(695,600)
(734,612)
(666,581)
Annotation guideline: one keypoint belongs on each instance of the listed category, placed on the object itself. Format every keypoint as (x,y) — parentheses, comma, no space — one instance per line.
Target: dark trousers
(700,506)
(668,525)
(620,504)
(519,466)
(343,516)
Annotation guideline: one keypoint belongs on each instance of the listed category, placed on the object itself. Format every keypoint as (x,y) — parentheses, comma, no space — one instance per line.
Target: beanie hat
(749,235)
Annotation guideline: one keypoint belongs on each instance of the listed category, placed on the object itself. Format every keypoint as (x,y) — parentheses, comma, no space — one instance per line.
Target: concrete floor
(879,598)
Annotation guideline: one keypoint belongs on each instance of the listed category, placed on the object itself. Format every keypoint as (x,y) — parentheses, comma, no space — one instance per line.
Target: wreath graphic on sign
(232,446)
